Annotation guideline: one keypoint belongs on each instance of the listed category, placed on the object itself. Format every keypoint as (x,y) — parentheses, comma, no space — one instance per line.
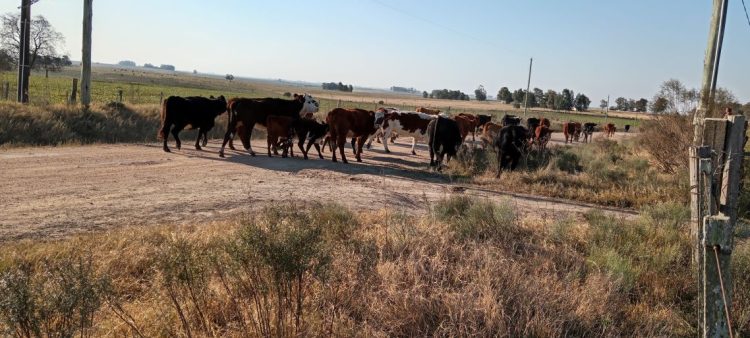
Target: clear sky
(618,48)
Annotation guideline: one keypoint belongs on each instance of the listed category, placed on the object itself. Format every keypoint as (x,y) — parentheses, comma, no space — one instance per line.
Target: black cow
(510,120)
(482,120)
(588,131)
(245,113)
(627,128)
(510,144)
(444,139)
(311,131)
(194,111)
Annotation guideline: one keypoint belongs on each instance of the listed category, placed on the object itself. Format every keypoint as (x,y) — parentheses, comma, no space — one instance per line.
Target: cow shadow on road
(399,163)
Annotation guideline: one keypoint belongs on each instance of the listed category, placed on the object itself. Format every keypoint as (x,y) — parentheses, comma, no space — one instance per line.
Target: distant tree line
(126,63)
(163,66)
(564,100)
(403,90)
(338,86)
(447,94)
(623,104)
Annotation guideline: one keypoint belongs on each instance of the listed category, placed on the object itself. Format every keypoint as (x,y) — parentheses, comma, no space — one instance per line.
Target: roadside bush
(51,298)
(478,220)
(667,139)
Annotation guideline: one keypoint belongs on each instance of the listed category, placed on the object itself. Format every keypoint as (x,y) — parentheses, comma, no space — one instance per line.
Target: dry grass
(604,172)
(327,271)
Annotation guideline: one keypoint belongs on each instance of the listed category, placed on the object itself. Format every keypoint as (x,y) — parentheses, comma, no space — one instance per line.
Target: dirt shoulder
(54,192)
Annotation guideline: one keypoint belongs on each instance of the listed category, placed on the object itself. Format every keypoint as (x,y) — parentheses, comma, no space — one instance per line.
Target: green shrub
(476,219)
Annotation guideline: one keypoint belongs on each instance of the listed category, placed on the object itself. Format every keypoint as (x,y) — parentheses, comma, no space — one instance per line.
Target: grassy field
(139,86)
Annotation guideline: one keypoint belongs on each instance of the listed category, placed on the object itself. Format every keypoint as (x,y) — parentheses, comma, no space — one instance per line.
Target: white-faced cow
(194,111)
(403,121)
(245,113)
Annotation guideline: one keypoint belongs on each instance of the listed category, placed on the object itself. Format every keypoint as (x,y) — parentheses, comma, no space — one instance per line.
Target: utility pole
(715,170)
(528,84)
(23,56)
(86,54)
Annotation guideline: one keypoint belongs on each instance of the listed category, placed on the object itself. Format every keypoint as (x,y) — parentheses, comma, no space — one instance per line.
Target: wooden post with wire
(715,172)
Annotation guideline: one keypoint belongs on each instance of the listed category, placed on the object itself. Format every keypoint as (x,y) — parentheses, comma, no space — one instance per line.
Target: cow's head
(379,117)
(309,104)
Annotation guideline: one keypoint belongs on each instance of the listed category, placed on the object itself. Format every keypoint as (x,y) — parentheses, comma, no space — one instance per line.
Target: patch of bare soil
(53,192)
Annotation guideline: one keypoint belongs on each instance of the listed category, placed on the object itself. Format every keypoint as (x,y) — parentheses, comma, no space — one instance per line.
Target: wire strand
(746,16)
(723,293)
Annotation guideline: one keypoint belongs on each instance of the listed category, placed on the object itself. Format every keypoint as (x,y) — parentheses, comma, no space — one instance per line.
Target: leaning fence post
(73,91)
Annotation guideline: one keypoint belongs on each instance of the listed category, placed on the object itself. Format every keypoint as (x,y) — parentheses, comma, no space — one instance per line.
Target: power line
(746,16)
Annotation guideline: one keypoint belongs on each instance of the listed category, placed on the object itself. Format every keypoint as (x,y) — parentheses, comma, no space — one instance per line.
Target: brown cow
(279,133)
(361,123)
(428,111)
(542,136)
(571,131)
(466,125)
(610,129)
(489,132)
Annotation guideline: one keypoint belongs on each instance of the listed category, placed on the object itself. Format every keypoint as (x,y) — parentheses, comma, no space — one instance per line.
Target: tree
(44,42)
(518,96)
(659,105)
(229,77)
(621,103)
(480,93)
(54,63)
(641,105)
(126,63)
(539,98)
(566,99)
(551,99)
(425,94)
(167,67)
(504,95)
(603,104)
(530,99)
(6,61)
(582,102)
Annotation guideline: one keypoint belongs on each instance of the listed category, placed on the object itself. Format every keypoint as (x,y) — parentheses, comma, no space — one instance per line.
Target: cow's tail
(162,133)
(230,115)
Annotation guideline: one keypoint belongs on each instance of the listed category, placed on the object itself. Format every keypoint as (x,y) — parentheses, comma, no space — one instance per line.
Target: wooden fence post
(119,95)
(74,91)
(716,170)
(6,89)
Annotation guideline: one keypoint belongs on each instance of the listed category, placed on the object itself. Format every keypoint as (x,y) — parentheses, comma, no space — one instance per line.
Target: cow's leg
(340,142)
(269,142)
(375,136)
(198,140)
(499,163)
(386,135)
(164,132)
(301,145)
(360,142)
(432,154)
(354,145)
(227,137)
(248,136)
(176,132)
(413,145)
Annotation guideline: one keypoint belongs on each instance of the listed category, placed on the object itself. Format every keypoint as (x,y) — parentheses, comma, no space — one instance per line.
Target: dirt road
(53,192)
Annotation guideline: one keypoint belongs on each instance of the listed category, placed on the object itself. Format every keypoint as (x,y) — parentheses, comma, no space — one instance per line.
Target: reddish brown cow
(428,111)
(279,133)
(489,132)
(610,129)
(545,122)
(466,125)
(572,131)
(542,135)
(361,123)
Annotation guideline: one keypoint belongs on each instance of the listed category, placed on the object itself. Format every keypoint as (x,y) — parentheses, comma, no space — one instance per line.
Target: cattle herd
(286,119)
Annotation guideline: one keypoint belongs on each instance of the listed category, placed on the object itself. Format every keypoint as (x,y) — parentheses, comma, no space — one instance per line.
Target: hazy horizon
(599,49)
